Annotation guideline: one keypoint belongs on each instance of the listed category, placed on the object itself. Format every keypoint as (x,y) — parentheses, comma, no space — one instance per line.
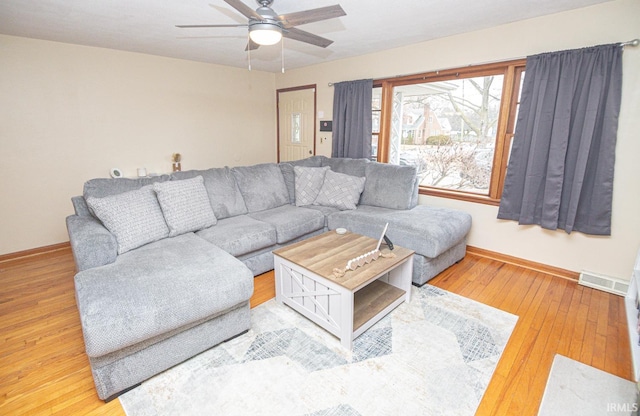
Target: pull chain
(249,50)
(282,53)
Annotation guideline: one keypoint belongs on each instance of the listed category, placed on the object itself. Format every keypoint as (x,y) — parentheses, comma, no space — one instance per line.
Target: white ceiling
(148,26)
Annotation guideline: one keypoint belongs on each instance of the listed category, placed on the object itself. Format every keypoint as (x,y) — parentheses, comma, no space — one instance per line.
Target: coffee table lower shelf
(343,312)
(377,298)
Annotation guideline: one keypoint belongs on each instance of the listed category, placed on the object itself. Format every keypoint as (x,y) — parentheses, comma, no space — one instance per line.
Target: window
(376,108)
(295,127)
(455,126)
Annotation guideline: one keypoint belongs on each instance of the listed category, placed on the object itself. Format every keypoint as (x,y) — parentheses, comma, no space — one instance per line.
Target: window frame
(376,134)
(512,71)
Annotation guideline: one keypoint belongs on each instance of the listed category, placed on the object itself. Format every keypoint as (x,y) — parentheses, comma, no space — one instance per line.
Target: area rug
(434,355)
(574,388)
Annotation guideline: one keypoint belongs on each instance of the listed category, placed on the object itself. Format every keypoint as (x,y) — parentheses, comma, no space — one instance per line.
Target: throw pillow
(289,176)
(340,191)
(308,183)
(133,217)
(224,196)
(185,205)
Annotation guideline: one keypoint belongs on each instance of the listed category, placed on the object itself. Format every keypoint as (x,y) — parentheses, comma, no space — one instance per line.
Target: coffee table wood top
(323,253)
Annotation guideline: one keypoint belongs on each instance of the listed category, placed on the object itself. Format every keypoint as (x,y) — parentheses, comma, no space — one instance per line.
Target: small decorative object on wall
(176,158)
(326,125)
(142,172)
(116,173)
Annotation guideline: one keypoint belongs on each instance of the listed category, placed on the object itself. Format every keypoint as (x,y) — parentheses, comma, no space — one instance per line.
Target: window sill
(459,195)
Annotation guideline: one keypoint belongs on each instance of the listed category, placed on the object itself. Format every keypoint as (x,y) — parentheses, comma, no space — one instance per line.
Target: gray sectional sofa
(166,264)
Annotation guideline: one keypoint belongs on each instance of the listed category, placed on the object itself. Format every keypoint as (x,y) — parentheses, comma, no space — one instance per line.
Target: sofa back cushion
(224,196)
(348,166)
(133,217)
(389,186)
(80,206)
(262,186)
(101,187)
(185,205)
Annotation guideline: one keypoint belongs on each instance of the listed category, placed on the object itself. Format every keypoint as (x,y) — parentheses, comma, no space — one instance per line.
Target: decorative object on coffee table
(365,258)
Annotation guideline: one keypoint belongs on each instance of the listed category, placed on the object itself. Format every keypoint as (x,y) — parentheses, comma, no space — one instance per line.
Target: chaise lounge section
(157,306)
(166,264)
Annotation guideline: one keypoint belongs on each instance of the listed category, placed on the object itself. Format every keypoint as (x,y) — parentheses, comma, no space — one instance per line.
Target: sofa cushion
(389,186)
(290,221)
(289,176)
(262,186)
(101,187)
(429,231)
(92,244)
(308,182)
(324,210)
(222,189)
(185,205)
(340,191)
(346,165)
(150,291)
(133,217)
(426,268)
(240,235)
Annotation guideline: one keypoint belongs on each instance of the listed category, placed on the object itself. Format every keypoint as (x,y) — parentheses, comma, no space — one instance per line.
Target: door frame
(315,100)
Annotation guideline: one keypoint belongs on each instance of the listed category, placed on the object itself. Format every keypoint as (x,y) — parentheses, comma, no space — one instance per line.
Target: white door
(296,122)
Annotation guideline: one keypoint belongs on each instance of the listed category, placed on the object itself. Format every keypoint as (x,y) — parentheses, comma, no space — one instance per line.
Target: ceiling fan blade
(244,9)
(310,16)
(251,45)
(195,26)
(302,36)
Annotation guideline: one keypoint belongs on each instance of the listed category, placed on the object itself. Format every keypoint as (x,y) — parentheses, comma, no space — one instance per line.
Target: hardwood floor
(44,369)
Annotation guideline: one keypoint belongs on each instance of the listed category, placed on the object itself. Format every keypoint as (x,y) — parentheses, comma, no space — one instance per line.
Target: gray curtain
(352,119)
(560,172)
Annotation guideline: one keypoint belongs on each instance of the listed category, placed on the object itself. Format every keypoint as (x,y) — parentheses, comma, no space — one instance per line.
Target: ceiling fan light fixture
(265,33)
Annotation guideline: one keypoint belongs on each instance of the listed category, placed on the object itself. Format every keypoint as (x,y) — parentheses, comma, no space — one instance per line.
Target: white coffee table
(344,306)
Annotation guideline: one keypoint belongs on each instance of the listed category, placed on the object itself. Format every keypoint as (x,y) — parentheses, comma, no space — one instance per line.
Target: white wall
(69,113)
(609,22)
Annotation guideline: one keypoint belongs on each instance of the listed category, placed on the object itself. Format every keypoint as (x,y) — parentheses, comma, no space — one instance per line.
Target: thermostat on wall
(325,125)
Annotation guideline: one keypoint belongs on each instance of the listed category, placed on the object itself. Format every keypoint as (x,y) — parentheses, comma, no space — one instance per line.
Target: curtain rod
(634,42)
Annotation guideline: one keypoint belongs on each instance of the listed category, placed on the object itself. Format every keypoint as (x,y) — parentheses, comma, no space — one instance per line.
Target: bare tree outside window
(449,131)
(454,125)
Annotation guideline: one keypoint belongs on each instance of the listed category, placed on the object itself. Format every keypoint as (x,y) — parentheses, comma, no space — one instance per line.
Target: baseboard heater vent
(606,283)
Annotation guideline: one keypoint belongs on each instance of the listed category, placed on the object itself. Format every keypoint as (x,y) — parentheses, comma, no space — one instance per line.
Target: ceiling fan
(267,28)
